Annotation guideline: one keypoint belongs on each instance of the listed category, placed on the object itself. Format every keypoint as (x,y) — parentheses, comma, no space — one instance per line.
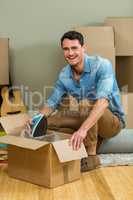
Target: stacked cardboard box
(4,62)
(123,30)
(127,101)
(4,80)
(99,40)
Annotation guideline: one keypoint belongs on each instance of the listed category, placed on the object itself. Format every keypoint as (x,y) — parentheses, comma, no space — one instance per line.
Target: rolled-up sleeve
(58,92)
(105,80)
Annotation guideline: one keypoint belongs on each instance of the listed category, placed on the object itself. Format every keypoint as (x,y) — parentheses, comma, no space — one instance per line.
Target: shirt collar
(86,63)
(86,66)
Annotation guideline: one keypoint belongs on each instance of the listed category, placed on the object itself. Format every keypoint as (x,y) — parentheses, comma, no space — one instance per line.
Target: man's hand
(46,111)
(27,126)
(77,138)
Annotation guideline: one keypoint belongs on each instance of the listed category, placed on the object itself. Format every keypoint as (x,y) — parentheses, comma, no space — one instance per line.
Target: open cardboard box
(48,162)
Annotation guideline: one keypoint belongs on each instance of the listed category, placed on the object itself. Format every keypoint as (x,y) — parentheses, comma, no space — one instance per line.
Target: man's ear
(84,48)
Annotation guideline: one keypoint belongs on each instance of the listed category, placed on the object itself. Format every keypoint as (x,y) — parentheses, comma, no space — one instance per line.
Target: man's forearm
(96,112)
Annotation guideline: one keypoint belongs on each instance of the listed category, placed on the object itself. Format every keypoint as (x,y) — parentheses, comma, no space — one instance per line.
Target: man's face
(73,51)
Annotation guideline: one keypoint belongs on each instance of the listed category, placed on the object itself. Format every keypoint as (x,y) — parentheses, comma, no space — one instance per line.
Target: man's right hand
(28,124)
(46,111)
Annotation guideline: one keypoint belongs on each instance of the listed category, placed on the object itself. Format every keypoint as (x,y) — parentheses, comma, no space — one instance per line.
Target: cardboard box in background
(99,40)
(124,73)
(123,30)
(4,61)
(49,162)
(127,102)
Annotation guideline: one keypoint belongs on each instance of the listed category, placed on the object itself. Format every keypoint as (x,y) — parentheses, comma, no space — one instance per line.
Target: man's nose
(70,52)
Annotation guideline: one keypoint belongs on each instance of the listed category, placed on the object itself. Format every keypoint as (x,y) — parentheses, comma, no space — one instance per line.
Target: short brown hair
(73,35)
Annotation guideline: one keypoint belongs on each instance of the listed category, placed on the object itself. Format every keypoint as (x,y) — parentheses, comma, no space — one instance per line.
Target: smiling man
(89,81)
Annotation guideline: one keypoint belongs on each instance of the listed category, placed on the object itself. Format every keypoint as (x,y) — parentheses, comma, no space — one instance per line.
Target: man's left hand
(77,138)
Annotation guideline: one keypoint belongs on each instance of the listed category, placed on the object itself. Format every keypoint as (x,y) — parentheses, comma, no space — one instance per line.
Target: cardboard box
(127,102)
(4,61)
(49,162)
(124,72)
(123,30)
(99,40)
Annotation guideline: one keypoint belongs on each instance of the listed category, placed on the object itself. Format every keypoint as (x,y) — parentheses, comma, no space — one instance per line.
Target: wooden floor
(110,183)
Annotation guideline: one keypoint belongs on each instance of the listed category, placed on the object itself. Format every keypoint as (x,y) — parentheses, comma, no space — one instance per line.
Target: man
(90,82)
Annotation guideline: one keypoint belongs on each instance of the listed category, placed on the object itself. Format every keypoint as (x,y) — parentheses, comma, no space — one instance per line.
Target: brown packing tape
(65,172)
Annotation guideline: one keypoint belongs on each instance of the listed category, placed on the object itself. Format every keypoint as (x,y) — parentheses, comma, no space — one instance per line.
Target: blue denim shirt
(97,81)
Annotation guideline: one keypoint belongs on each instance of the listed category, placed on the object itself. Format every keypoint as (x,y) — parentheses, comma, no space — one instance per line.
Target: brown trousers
(69,120)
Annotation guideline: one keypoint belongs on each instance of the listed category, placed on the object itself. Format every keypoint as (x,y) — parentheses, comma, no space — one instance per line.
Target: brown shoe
(90,163)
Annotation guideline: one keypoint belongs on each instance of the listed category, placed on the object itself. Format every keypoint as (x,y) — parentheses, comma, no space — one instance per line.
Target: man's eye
(74,48)
(65,49)
(68,49)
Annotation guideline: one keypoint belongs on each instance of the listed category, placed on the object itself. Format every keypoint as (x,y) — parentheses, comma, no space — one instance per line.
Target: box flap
(14,124)
(22,142)
(66,153)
